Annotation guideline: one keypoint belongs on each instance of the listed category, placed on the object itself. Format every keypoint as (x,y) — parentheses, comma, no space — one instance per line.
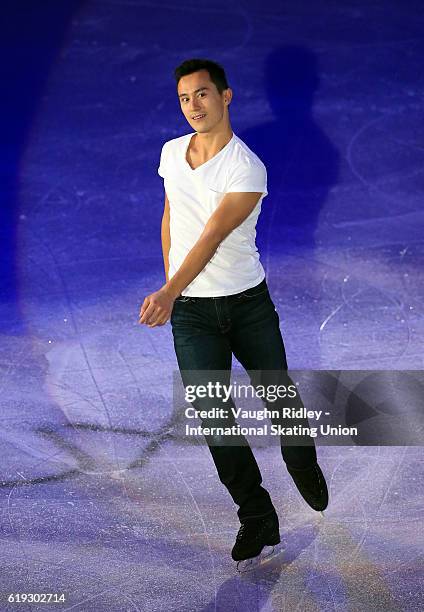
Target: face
(198,95)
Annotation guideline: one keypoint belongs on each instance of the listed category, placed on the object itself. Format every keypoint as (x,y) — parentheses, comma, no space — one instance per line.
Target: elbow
(213,236)
(215,232)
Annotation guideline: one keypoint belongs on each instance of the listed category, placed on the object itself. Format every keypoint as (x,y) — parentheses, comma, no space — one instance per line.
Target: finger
(161,320)
(147,314)
(154,319)
(144,306)
(154,322)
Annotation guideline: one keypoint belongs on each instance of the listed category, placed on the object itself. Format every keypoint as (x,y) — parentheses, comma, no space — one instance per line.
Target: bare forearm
(193,264)
(166,244)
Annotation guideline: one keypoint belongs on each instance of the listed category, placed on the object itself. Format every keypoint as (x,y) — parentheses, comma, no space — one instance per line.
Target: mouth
(198,117)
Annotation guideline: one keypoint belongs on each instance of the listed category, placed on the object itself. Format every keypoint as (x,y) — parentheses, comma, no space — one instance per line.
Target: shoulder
(246,172)
(176,143)
(244,157)
(171,154)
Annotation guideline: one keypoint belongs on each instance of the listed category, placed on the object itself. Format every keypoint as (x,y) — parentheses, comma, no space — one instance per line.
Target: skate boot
(311,484)
(255,535)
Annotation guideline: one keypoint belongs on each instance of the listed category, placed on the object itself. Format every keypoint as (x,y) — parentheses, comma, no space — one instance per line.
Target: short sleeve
(163,162)
(248,176)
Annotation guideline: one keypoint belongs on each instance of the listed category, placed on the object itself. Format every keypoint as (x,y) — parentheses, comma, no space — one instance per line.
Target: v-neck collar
(208,161)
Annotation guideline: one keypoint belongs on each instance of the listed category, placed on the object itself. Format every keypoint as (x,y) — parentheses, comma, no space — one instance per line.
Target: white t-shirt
(194,195)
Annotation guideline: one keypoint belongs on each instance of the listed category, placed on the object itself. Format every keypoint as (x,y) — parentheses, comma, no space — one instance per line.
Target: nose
(194,107)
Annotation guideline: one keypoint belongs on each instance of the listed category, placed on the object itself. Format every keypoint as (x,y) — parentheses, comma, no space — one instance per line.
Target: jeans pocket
(183,299)
(253,292)
(180,309)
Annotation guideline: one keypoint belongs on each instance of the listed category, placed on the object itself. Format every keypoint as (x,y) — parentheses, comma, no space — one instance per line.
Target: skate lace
(241,531)
(258,527)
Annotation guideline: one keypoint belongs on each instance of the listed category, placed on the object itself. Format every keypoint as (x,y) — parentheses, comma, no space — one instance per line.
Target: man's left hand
(157,308)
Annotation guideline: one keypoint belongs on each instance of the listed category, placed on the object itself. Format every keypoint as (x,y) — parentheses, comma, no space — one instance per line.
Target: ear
(228,95)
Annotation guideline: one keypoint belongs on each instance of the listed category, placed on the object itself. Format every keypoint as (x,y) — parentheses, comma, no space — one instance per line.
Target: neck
(209,143)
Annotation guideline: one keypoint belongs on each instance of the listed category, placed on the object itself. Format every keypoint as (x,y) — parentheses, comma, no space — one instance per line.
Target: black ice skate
(255,535)
(311,484)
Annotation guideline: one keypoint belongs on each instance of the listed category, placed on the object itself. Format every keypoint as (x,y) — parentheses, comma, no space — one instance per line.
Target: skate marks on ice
(265,585)
(275,556)
(81,418)
(302,575)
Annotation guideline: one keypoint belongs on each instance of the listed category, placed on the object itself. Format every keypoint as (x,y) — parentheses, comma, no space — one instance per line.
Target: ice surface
(98,499)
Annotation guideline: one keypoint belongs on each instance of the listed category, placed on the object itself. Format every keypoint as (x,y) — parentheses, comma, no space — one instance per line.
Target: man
(215,291)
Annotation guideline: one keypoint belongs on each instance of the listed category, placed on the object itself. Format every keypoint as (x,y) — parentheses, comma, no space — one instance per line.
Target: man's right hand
(157,308)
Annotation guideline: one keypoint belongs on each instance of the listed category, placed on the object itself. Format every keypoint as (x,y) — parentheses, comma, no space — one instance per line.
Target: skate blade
(267,554)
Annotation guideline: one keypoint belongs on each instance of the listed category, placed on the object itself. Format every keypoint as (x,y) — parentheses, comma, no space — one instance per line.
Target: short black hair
(216,71)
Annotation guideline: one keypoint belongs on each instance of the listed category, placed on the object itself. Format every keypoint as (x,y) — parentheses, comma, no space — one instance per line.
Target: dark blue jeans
(207,331)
